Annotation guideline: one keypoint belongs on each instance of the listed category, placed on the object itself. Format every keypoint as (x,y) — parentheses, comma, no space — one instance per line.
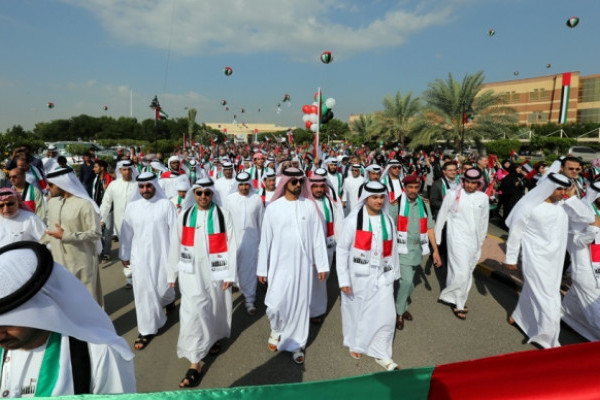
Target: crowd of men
(213,220)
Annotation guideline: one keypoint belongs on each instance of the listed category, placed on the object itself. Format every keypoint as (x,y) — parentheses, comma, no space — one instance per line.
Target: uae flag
(564,98)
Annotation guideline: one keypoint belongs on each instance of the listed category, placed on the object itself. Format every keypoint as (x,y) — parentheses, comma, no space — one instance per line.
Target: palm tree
(447,104)
(397,118)
(365,127)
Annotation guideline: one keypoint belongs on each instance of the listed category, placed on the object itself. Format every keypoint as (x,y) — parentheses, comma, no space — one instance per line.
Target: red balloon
(308,124)
(306,109)
(314,109)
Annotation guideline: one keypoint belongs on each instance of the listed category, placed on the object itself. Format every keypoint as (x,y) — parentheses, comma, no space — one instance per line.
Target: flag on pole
(564,98)
(160,114)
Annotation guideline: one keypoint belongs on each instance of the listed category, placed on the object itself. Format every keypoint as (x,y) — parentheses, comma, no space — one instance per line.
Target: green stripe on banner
(408,384)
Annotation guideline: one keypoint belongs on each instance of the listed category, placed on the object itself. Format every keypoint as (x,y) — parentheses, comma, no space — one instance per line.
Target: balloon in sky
(105,107)
(223,102)
(50,104)
(491,32)
(573,22)
(228,71)
(326,57)
(548,65)
(516,73)
(286,97)
(226,108)
(243,110)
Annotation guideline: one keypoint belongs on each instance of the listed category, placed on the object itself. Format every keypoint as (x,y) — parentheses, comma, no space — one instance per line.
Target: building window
(590,90)
(514,97)
(588,115)
(537,117)
(538,94)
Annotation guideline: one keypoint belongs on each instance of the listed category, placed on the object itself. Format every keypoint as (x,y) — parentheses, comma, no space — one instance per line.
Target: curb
(508,280)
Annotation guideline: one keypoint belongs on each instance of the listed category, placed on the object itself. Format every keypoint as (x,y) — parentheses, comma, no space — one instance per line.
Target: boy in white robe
(292,244)
(205,283)
(367,266)
(466,212)
(246,209)
(331,214)
(55,340)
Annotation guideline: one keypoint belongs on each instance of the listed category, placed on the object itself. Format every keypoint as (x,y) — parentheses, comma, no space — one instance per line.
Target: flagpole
(318,123)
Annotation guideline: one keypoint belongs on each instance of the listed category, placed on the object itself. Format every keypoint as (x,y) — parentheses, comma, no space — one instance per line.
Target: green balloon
(323,109)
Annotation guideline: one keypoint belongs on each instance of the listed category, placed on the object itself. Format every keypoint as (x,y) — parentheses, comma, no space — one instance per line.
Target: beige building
(559,98)
(242,130)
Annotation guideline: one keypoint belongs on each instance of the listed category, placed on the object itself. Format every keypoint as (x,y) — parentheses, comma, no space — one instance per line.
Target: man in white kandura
(466,213)
(266,193)
(352,184)
(246,210)
(292,243)
(116,198)
(539,225)
(149,226)
(74,230)
(581,305)
(226,184)
(202,258)
(17,221)
(55,340)
(367,266)
(332,217)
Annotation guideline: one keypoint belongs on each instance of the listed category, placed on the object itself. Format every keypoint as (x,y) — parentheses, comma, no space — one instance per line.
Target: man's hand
(262,279)
(512,267)
(125,263)
(58,233)
(596,222)
(571,191)
(171,284)
(322,276)
(437,260)
(346,289)
(227,285)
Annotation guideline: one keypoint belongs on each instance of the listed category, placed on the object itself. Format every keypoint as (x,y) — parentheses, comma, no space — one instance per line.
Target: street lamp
(155,105)
(463,105)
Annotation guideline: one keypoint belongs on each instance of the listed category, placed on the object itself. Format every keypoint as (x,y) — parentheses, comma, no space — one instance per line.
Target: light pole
(155,105)
(463,106)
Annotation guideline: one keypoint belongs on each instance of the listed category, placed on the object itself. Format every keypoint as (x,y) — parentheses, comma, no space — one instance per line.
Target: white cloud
(259,26)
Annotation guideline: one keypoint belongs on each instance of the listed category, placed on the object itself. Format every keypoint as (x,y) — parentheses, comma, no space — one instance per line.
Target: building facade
(561,98)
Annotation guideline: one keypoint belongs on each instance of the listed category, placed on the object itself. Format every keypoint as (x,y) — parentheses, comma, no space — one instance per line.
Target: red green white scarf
(361,253)
(217,242)
(29,196)
(402,224)
(595,253)
(38,177)
(329,219)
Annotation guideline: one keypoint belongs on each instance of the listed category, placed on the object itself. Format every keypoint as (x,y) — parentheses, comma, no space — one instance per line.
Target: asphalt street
(435,336)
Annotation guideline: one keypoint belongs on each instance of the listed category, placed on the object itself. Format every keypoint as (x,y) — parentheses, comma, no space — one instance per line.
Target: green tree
(365,129)
(398,116)
(447,103)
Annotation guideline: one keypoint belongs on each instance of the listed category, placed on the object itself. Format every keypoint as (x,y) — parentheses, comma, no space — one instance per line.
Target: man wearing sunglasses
(571,167)
(148,227)
(202,257)
(292,244)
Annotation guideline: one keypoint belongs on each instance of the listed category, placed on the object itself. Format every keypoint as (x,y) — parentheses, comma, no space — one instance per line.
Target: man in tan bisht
(74,229)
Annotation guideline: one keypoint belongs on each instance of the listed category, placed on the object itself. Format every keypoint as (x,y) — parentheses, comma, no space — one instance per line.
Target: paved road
(435,336)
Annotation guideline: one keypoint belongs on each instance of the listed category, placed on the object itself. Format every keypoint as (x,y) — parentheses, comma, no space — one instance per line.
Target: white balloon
(305,117)
(315,103)
(330,103)
(313,118)
(313,127)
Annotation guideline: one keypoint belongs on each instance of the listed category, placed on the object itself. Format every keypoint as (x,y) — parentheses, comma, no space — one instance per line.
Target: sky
(83,55)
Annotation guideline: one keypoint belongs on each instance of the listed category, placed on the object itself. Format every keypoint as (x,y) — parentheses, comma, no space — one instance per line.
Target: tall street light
(463,106)
(155,105)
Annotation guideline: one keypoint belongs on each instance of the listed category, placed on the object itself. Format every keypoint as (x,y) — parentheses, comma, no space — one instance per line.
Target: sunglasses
(9,204)
(295,182)
(395,167)
(574,169)
(145,185)
(206,193)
